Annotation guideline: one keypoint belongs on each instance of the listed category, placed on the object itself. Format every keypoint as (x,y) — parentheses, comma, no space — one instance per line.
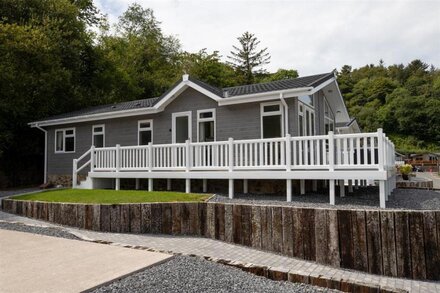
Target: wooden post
(289,189)
(341,188)
(382,193)
(137,184)
(74,174)
(356,184)
(187,185)
(168,184)
(245,186)
(205,185)
(150,184)
(332,191)
(231,188)
(302,184)
(92,158)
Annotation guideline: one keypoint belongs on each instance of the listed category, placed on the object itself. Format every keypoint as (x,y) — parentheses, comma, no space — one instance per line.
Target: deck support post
(356,184)
(245,186)
(150,184)
(302,184)
(205,185)
(117,184)
(187,185)
(382,194)
(332,191)
(314,185)
(168,184)
(75,174)
(350,186)
(231,188)
(137,184)
(289,189)
(341,188)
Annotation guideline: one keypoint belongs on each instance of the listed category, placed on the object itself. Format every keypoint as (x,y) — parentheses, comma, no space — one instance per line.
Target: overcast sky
(310,36)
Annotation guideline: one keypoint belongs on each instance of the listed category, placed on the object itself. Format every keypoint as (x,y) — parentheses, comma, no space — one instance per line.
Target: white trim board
(173,126)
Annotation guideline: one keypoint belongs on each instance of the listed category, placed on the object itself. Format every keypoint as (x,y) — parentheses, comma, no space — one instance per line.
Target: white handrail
(372,151)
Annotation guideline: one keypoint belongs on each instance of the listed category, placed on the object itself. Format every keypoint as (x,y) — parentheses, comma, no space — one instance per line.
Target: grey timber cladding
(241,121)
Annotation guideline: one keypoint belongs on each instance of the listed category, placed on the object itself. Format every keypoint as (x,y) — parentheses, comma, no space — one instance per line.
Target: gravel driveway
(363,198)
(191,274)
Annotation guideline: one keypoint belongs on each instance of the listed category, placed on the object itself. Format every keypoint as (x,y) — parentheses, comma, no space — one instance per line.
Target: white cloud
(311,36)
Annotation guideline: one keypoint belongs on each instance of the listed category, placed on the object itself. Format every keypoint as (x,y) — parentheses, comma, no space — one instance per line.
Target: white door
(181,127)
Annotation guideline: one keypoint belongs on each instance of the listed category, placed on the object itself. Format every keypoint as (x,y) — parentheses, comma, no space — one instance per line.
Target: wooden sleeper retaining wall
(386,242)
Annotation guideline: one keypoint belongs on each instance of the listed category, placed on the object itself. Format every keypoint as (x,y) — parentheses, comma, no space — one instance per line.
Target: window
(145,132)
(306,120)
(329,117)
(308,100)
(98,135)
(272,120)
(206,125)
(65,140)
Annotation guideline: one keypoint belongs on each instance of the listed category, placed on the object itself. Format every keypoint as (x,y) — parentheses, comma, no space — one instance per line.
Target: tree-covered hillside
(402,99)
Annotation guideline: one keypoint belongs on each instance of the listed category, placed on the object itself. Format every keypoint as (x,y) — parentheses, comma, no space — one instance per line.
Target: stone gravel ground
(362,198)
(182,274)
(191,274)
(9,192)
(54,232)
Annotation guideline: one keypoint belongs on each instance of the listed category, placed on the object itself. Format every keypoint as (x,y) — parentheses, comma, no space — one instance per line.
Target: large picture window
(271,120)
(65,140)
(206,125)
(145,132)
(98,135)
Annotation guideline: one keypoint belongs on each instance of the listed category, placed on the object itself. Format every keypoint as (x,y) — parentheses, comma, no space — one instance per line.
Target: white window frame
(272,113)
(63,130)
(328,118)
(98,133)
(173,124)
(311,125)
(201,120)
(140,129)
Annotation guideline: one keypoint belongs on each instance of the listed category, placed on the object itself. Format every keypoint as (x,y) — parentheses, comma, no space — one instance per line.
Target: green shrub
(405,169)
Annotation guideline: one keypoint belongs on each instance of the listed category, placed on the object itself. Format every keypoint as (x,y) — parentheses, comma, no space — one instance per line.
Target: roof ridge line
(325,76)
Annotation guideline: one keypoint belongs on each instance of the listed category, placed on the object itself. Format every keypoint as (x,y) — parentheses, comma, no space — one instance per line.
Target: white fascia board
(94,117)
(322,85)
(274,95)
(342,99)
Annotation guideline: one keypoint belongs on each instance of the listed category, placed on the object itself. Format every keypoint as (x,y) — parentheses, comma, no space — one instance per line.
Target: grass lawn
(111,196)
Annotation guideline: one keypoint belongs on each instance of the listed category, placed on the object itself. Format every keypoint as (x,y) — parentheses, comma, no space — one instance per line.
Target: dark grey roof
(306,81)
(137,104)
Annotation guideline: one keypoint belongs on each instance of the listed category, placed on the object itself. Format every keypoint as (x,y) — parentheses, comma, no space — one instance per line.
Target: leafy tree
(280,74)
(247,59)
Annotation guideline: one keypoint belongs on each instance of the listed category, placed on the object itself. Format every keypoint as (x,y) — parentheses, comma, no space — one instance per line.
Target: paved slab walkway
(221,250)
(37,263)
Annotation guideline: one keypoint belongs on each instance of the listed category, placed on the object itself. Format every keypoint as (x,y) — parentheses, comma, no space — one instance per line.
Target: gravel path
(10,192)
(363,198)
(54,232)
(191,274)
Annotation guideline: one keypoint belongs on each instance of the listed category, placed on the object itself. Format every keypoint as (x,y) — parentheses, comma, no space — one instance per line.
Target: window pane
(206,131)
(59,141)
(70,144)
(97,129)
(206,115)
(144,124)
(69,132)
(312,124)
(307,122)
(272,126)
(98,140)
(301,126)
(144,137)
(306,99)
(272,108)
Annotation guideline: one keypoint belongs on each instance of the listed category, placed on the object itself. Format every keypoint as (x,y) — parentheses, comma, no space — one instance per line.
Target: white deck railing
(367,151)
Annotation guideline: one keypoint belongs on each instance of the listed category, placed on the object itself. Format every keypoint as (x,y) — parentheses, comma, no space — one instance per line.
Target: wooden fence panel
(115,218)
(81,215)
(266,228)
(256,227)
(125,218)
(373,242)
(287,227)
(334,257)
(194,228)
(105,218)
(308,229)
(418,263)
(135,218)
(176,214)
(321,235)
(298,236)
(346,238)
(156,218)
(403,248)
(359,230)
(229,225)
(202,218)
(220,222)
(184,223)
(431,245)
(167,221)
(210,220)
(388,243)
(277,229)
(146,218)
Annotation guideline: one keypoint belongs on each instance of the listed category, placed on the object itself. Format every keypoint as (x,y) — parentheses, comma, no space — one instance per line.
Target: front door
(181,128)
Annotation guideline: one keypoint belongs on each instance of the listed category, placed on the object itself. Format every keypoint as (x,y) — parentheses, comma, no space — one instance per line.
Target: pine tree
(246,59)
